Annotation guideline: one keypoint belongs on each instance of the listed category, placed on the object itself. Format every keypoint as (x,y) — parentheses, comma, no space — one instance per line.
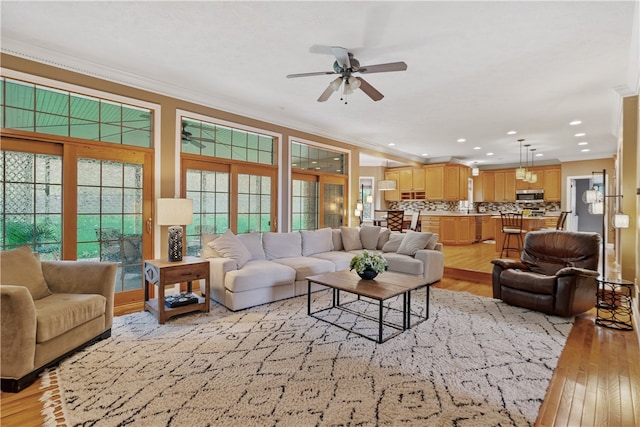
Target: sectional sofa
(253,269)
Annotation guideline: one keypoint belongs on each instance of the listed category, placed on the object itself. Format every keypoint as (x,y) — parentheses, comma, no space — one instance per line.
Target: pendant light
(534,176)
(527,174)
(520,171)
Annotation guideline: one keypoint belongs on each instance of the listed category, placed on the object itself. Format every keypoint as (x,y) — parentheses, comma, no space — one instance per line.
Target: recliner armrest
(507,263)
(575,271)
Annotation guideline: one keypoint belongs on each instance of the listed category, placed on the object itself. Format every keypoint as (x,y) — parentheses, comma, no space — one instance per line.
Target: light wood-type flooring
(596,383)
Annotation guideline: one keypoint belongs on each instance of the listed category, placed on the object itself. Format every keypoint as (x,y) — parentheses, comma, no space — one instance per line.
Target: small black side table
(614,303)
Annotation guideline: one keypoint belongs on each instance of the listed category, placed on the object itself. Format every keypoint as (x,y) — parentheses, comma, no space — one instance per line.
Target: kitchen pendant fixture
(534,176)
(520,171)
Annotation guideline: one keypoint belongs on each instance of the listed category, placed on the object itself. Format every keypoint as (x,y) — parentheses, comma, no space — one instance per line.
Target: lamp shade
(520,173)
(386,184)
(174,211)
(621,221)
(596,208)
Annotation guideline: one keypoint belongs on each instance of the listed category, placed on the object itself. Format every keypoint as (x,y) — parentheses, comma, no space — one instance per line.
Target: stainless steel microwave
(529,195)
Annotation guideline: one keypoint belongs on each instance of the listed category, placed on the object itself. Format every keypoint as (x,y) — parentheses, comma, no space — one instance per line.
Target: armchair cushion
(59,313)
(22,268)
(528,281)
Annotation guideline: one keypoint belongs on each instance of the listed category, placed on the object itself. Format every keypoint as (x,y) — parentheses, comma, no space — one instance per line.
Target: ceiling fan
(346,65)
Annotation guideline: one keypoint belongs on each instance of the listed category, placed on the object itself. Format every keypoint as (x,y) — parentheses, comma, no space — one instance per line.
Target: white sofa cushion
(336,236)
(339,258)
(413,242)
(252,242)
(307,266)
(351,238)
(369,236)
(383,237)
(316,241)
(395,240)
(229,246)
(404,264)
(282,245)
(258,274)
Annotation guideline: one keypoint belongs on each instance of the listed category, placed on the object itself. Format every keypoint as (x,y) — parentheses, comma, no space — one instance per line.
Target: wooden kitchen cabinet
(505,185)
(457,230)
(392,195)
(430,224)
(456,182)
(434,181)
(488,228)
(412,184)
(489,186)
(552,184)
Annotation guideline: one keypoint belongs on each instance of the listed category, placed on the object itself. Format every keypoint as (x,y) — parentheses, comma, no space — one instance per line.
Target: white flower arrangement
(368,261)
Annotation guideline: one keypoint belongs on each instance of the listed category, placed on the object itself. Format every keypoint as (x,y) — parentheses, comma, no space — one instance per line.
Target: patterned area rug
(476,361)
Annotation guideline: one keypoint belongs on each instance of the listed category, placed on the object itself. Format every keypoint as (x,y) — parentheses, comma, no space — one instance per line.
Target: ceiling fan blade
(317,73)
(383,68)
(369,90)
(192,142)
(342,56)
(326,94)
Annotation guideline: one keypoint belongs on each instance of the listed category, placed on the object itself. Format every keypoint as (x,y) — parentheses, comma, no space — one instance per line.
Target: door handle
(149,225)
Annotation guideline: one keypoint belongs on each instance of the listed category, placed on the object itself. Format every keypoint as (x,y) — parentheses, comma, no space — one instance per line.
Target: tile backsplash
(478,207)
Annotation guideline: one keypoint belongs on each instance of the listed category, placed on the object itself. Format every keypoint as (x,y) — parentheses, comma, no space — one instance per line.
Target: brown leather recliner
(556,273)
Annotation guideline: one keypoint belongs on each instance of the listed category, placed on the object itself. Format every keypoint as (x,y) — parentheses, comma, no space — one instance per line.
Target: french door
(80,202)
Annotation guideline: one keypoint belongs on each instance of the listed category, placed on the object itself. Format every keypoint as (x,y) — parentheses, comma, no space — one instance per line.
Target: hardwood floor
(596,383)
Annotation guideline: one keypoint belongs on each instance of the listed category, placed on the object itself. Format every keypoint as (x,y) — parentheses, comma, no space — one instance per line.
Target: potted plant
(368,265)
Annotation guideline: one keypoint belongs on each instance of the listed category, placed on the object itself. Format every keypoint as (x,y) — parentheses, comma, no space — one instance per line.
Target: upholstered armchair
(49,310)
(556,273)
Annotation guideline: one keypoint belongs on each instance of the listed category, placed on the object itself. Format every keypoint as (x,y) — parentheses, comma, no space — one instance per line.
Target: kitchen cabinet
(457,230)
(456,182)
(392,195)
(489,186)
(552,184)
(412,184)
(434,181)
(505,185)
(430,224)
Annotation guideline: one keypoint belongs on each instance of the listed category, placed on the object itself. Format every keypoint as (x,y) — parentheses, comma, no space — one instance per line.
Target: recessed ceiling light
(391,144)
(424,154)
(580,134)
(477,148)
(511,132)
(575,122)
(539,155)
(314,162)
(585,150)
(461,140)
(489,154)
(583,143)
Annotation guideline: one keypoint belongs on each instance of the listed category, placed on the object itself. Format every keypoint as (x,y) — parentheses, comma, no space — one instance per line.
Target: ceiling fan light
(347,89)
(335,84)
(354,83)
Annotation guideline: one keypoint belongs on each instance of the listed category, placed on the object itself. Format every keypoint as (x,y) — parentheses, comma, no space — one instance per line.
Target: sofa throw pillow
(253,243)
(282,245)
(350,238)
(413,242)
(20,267)
(317,241)
(383,237)
(229,246)
(336,236)
(207,251)
(392,245)
(433,241)
(369,236)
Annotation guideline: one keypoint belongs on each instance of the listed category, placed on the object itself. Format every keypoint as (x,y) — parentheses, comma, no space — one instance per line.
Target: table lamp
(172,212)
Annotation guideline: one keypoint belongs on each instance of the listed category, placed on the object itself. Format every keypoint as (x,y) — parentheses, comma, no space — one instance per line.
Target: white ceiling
(475,69)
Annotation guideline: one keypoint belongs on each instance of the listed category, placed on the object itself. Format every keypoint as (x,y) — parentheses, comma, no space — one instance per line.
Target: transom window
(35,108)
(308,157)
(222,142)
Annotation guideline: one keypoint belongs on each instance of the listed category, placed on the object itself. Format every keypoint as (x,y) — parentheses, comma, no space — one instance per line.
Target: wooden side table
(161,272)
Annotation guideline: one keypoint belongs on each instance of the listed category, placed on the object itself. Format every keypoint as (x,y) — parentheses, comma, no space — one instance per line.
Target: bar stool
(511,227)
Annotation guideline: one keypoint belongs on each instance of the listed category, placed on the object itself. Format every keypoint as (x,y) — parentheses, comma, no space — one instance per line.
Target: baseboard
(11,385)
